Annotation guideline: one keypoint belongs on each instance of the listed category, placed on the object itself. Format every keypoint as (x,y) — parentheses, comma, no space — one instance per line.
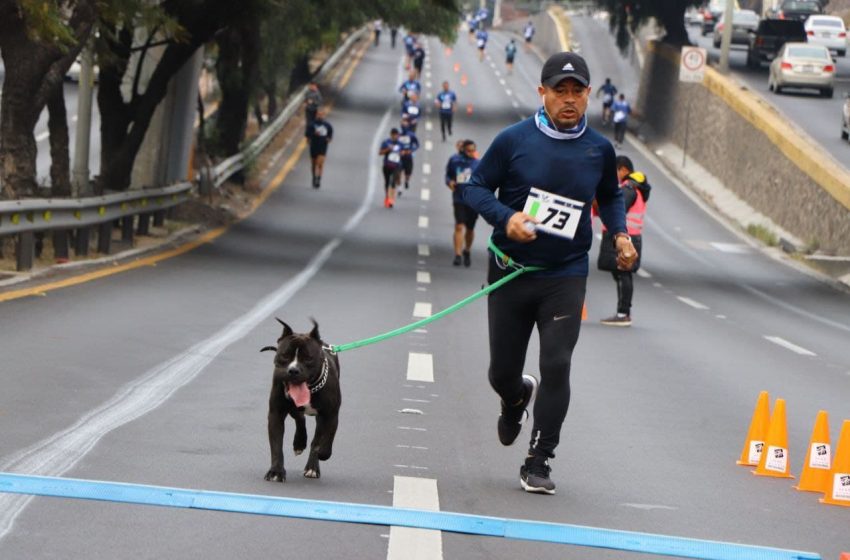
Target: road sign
(692,66)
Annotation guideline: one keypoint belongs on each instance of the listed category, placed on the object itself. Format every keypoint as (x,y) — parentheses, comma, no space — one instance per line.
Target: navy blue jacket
(520,157)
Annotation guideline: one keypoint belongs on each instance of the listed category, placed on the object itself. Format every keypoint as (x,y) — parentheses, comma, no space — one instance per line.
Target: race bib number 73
(558,215)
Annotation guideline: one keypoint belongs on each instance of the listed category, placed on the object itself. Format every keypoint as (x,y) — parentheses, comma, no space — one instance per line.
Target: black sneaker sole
(535,489)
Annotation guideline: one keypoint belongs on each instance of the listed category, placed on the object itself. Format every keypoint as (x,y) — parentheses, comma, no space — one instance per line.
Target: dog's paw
(297,451)
(312,473)
(276,476)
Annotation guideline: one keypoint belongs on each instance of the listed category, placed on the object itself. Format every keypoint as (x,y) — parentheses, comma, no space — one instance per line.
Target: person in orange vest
(635,195)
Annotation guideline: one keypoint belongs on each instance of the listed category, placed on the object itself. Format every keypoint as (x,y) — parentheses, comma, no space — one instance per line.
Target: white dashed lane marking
(692,303)
(425,194)
(429,145)
(423,277)
(790,346)
(407,542)
(426,168)
(423,250)
(421,310)
(423,221)
(420,367)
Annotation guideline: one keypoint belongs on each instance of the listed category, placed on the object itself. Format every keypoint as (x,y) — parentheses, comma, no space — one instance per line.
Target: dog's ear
(267,348)
(287,330)
(315,332)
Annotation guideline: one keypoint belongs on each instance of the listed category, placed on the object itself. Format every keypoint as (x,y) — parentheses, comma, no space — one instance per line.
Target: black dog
(306,381)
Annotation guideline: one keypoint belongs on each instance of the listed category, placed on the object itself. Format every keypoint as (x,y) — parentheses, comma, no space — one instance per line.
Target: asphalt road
(819,117)
(153,376)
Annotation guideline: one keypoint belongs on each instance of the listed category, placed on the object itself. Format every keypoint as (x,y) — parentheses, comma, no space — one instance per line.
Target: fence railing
(24,218)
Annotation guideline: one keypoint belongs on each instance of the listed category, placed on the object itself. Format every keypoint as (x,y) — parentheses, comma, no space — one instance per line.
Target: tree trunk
(233,111)
(60,162)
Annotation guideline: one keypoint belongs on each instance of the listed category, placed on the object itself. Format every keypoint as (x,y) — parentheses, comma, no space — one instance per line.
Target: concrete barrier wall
(546,39)
(750,148)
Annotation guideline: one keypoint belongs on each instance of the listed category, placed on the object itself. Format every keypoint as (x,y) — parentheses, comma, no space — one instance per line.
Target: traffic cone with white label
(837,491)
(751,453)
(816,466)
(774,456)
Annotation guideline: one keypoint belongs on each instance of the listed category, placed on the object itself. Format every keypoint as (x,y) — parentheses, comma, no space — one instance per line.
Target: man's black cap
(563,65)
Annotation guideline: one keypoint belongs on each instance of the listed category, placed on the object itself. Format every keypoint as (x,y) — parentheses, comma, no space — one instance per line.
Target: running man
(481,41)
(555,151)
(459,169)
(410,86)
(621,110)
(411,111)
(319,133)
(528,33)
(391,150)
(510,53)
(312,102)
(446,101)
(409,144)
(607,91)
(418,59)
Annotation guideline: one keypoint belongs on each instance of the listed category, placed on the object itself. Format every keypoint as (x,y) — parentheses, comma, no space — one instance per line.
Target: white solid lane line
(790,346)
(692,303)
(418,544)
(420,367)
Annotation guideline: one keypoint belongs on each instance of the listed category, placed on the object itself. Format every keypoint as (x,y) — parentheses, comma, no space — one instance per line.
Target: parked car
(798,9)
(744,22)
(769,37)
(712,12)
(828,31)
(73,73)
(802,65)
(693,16)
(845,118)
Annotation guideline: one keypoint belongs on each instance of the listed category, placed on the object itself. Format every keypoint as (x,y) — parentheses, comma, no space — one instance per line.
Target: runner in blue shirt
(391,150)
(510,53)
(481,41)
(459,170)
(446,101)
(409,144)
(410,85)
(556,152)
(608,91)
(621,110)
(411,111)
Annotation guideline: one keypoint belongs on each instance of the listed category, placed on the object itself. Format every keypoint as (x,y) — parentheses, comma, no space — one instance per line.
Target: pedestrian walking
(458,172)
(319,134)
(378,25)
(636,189)
(312,102)
(393,35)
(446,101)
(510,53)
(568,162)
(391,150)
(621,110)
(528,34)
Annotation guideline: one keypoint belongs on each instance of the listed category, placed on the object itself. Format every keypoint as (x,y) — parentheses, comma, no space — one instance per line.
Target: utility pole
(723,66)
(82,138)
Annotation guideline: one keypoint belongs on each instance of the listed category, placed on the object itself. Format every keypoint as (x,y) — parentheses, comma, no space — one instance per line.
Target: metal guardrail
(225,169)
(40,214)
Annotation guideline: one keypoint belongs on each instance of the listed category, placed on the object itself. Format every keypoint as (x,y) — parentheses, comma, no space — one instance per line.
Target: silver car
(802,65)
(744,22)
(828,31)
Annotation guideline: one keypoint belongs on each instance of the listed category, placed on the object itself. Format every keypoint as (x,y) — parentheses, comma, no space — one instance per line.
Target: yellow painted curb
(558,16)
(274,184)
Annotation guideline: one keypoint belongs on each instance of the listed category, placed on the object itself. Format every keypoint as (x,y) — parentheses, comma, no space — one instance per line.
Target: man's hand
(452,185)
(517,230)
(626,253)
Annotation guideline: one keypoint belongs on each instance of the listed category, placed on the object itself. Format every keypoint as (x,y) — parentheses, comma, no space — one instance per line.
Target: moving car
(828,31)
(769,37)
(845,118)
(802,65)
(798,9)
(744,22)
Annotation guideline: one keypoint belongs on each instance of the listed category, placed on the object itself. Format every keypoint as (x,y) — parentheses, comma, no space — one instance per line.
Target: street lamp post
(723,66)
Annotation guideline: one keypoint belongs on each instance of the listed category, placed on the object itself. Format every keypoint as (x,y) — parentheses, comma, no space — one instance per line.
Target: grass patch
(763,234)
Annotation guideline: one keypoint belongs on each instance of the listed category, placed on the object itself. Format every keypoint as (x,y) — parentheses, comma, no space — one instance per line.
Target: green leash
(519,269)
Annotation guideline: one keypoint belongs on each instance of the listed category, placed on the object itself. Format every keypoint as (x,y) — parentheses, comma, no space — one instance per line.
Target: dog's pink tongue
(300,394)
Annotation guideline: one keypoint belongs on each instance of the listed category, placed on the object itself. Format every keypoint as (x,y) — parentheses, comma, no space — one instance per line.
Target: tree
(630,14)
(39,40)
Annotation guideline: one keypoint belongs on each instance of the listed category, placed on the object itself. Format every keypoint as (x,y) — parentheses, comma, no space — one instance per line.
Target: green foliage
(46,22)
(763,234)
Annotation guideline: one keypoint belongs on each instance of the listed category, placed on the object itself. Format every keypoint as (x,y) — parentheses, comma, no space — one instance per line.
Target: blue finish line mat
(383,515)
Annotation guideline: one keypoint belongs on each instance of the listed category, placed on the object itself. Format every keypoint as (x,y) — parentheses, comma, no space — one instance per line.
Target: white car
(802,65)
(828,31)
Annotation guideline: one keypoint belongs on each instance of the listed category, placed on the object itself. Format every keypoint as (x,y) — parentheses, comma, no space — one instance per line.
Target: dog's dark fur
(324,403)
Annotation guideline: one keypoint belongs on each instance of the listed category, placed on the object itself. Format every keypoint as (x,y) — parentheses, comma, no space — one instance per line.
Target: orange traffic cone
(838,488)
(469,109)
(774,456)
(751,453)
(457,67)
(844,556)
(463,79)
(448,51)
(584,312)
(815,475)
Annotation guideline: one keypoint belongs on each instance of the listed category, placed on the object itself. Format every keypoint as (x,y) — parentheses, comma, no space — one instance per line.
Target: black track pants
(625,289)
(554,305)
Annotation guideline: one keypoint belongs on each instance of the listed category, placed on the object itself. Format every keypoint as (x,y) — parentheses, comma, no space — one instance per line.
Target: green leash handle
(484,291)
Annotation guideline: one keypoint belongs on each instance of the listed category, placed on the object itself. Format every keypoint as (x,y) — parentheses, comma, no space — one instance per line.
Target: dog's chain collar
(323,379)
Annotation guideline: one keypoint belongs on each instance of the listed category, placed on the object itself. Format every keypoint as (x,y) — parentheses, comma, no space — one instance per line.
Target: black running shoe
(456,262)
(534,475)
(512,417)
(466,259)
